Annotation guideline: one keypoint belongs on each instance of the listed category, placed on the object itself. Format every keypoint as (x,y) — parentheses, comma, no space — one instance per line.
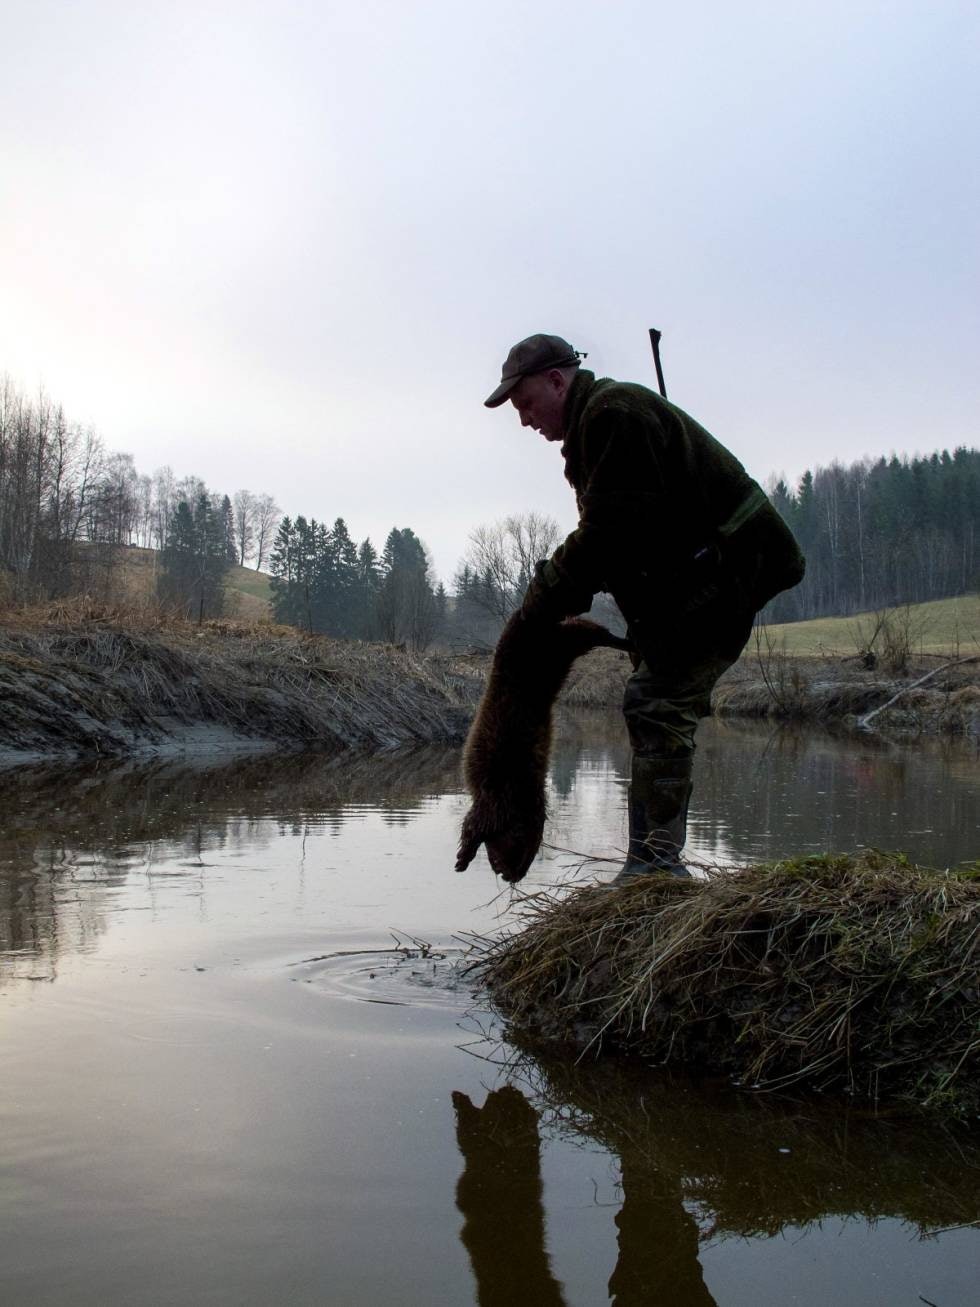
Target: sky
(286,246)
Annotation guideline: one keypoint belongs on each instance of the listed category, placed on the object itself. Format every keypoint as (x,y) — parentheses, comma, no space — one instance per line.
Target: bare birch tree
(266,518)
(243,508)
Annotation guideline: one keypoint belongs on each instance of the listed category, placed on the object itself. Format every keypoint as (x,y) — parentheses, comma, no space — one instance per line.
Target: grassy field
(250,586)
(944,626)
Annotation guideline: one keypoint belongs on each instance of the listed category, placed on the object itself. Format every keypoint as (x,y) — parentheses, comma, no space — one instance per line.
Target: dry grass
(86,677)
(597,680)
(774,685)
(847,973)
(132,580)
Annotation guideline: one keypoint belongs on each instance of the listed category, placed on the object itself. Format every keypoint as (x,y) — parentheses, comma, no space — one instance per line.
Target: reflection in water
(49,907)
(696,1164)
(180,1064)
(772,794)
(752,1165)
(70,836)
(764,793)
(499,1195)
(100,807)
(658,1241)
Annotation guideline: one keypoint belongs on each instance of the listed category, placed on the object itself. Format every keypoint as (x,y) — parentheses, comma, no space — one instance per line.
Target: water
(241,1064)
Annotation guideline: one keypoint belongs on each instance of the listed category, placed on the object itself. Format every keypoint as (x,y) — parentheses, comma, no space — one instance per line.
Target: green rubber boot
(660,790)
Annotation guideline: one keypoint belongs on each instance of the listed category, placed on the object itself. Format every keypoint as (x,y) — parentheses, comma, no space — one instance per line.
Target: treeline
(875,534)
(880,533)
(325,583)
(68,508)
(198,550)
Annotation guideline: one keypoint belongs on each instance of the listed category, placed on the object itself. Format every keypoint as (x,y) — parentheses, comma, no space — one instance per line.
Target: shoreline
(829,692)
(100,684)
(93,682)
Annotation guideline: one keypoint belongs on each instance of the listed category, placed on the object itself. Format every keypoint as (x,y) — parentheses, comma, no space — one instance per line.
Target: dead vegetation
(769,683)
(88,679)
(890,681)
(854,974)
(934,696)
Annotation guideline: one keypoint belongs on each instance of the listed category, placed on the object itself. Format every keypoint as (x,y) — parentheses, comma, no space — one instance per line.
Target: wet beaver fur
(505,760)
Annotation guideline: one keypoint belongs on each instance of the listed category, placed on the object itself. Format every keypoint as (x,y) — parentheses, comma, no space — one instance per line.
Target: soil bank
(97,685)
(94,681)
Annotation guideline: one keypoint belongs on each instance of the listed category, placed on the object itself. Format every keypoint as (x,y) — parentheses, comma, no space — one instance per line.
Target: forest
(883,532)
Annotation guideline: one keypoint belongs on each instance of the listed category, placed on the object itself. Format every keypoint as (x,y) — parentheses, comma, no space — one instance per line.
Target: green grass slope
(247,590)
(950,627)
(249,594)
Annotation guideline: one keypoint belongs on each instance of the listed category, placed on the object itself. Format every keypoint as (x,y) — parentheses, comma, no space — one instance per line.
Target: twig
(956,662)
(964,1225)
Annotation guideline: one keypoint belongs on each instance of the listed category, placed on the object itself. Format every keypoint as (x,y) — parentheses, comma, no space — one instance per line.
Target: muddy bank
(91,681)
(933,695)
(831,691)
(98,685)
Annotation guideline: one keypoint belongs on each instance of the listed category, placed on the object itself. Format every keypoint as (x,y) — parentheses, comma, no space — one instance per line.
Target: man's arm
(621,503)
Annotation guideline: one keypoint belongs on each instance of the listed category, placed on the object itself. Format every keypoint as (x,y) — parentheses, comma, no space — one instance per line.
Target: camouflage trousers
(670,690)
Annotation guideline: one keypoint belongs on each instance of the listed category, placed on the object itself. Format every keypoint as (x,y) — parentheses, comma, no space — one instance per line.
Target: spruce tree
(195,559)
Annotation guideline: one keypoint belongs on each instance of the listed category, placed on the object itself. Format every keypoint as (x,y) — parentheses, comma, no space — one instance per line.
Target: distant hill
(247,590)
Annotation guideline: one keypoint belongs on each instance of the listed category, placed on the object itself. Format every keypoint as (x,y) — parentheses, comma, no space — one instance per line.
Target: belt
(750,505)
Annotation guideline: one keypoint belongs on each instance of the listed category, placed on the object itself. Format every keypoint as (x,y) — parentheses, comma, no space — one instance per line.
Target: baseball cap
(535,354)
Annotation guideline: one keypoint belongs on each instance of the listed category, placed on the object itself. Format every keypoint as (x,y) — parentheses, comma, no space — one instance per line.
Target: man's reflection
(658,1242)
(499,1195)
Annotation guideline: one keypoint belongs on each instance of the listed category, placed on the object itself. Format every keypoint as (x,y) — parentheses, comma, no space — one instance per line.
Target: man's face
(540,401)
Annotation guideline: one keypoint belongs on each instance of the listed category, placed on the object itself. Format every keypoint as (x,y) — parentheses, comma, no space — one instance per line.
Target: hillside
(950,627)
(247,590)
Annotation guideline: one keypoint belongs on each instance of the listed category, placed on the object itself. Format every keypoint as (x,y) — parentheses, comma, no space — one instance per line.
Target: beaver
(505,759)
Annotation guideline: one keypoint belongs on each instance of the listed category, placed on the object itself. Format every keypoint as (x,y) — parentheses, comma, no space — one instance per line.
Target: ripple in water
(417,976)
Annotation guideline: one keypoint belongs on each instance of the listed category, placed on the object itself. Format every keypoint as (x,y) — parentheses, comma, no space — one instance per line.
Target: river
(242,1065)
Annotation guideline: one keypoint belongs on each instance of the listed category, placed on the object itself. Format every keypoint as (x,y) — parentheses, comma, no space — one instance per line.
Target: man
(687,544)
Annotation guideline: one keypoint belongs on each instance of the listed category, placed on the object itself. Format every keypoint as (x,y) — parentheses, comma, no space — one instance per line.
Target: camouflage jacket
(668,518)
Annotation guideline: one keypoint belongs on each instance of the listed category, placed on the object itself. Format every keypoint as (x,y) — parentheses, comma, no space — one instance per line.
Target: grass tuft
(849,973)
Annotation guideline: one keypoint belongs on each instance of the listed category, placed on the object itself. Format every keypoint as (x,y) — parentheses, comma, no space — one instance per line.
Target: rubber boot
(660,790)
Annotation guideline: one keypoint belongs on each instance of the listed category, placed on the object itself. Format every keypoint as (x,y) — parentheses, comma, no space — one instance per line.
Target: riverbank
(87,680)
(90,681)
(935,694)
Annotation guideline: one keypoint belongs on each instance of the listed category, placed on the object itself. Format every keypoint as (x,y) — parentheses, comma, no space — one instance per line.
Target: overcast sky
(286,246)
